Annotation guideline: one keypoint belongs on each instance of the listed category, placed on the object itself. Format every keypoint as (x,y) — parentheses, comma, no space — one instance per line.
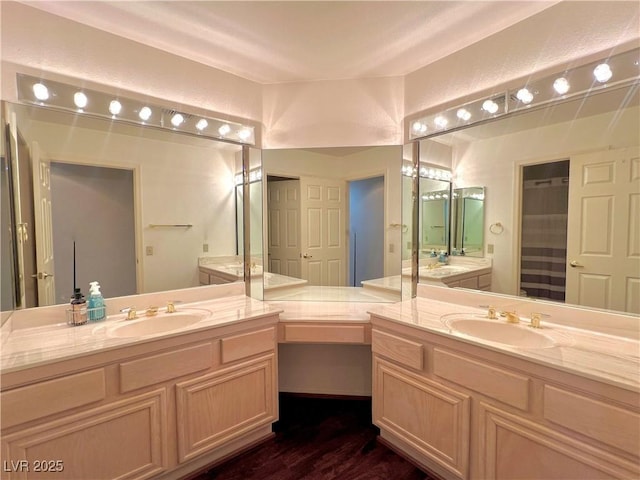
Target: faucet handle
(131,312)
(171,307)
(536,319)
(491,311)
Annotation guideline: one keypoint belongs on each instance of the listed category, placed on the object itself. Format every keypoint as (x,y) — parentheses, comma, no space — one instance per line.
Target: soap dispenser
(96,308)
(78,308)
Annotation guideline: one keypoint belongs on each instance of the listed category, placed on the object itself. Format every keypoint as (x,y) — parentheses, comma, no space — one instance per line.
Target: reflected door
(603,244)
(44,227)
(284,227)
(323,233)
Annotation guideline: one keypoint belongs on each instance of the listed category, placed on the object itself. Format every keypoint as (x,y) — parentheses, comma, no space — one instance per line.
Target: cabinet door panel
(227,404)
(124,440)
(431,418)
(514,448)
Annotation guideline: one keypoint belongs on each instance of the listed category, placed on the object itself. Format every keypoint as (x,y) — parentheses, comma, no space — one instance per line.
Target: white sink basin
(497,331)
(163,323)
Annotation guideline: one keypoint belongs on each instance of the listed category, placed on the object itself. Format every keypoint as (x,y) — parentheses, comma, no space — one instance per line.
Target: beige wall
(311,114)
(554,37)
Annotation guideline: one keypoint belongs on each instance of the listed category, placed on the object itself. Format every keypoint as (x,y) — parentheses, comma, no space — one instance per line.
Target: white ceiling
(289,41)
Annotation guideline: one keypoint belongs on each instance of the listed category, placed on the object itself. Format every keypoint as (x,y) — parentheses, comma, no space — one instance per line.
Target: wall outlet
(205,247)
(408,245)
(392,248)
(490,248)
(149,250)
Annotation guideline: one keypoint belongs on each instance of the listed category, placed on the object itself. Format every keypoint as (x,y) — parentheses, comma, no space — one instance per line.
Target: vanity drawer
(601,421)
(484,281)
(491,381)
(203,278)
(47,398)
(398,349)
(165,366)
(248,344)
(349,334)
(469,283)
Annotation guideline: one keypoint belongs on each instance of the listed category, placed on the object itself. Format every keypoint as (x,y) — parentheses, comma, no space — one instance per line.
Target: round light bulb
(525,96)
(463,114)
(244,133)
(80,99)
(602,72)
(561,85)
(202,124)
(177,120)
(40,91)
(224,129)
(490,106)
(145,113)
(115,107)
(440,121)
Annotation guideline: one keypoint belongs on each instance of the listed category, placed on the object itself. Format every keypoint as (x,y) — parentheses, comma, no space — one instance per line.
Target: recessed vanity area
(481,282)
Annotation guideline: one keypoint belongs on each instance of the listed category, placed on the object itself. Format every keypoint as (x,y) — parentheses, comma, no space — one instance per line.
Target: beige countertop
(606,358)
(29,347)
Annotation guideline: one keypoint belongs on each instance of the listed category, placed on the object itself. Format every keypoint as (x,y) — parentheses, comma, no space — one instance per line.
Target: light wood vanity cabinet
(151,410)
(463,411)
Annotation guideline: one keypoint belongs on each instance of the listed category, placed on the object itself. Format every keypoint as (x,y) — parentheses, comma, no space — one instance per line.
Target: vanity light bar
(52,94)
(255,175)
(617,70)
(427,171)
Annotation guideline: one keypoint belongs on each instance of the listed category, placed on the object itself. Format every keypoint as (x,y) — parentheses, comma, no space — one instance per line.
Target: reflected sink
(497,331)
(165,323)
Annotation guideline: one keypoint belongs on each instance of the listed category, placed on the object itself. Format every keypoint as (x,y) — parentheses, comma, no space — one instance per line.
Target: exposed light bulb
(463,114)
(419,127)
(177,120)
(202,124)
(602,72)
(145,113)
(490,106)
(40,91)
(244,133)
(440,121)
(80,99)
(224,129)
(561,85)
(525,96)
(115,107)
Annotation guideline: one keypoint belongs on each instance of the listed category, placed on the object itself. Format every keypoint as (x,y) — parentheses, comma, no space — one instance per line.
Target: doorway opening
(93,207)
(366,230)
(543,230)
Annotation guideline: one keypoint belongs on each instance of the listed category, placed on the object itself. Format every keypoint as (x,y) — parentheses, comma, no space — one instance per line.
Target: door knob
(42,275)
(575,264)
(306,255)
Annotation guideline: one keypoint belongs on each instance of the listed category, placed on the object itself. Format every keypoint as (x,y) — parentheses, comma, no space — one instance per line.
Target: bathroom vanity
(145,398)
(498,403)
(463,395)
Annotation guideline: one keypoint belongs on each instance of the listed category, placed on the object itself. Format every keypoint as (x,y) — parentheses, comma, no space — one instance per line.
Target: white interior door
(324,231)
(44,227)
(603,242)
(283,200)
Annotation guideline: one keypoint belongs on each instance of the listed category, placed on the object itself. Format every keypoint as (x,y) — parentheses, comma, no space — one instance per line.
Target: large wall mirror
(139,208)
(333,224)
(560,207)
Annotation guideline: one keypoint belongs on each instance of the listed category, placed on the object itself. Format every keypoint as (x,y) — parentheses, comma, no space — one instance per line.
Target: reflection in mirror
(467,221)
(434,216)
(333,224)
(599,135)
(147,209)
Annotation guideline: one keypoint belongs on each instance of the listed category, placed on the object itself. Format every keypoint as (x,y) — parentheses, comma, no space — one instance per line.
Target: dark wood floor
(319,439)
